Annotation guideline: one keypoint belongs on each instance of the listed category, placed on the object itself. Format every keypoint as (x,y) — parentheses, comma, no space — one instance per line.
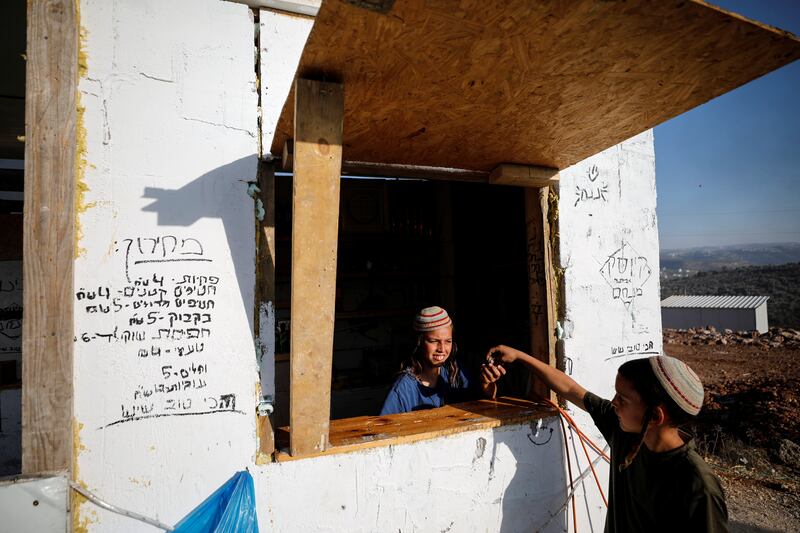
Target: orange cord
(583,444)
(571,482)
(574,425)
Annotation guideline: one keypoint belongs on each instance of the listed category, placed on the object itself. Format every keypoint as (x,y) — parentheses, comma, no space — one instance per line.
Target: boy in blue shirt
(432,376)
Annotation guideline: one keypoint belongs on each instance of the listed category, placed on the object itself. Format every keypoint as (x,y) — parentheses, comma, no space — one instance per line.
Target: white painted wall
(484,481)
(609,253)
(171,120)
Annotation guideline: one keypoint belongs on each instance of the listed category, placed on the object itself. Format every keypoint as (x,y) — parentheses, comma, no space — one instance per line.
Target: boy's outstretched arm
(562,384)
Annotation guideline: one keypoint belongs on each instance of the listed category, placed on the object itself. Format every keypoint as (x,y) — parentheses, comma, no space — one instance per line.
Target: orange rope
(583,444)
(571,483)
(574,425)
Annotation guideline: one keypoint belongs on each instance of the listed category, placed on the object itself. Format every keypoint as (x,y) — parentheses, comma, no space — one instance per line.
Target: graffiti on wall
(641,348)
(626,272)
(592,188)
(164,325)
(10,307)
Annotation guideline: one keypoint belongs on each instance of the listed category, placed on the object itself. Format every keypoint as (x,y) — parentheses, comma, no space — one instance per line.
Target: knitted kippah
(431,318)
(680,382)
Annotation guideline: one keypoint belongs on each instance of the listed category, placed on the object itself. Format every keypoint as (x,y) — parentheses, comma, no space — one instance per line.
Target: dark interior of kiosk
(405,244)
(12,150)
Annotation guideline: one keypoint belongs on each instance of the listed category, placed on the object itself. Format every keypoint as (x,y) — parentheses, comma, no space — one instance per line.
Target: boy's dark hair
(639,372)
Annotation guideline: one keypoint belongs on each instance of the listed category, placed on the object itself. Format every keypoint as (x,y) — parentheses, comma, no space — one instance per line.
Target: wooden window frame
(315,156)
(49,235)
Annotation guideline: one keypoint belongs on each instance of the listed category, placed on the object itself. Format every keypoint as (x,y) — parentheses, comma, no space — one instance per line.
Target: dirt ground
(752,409)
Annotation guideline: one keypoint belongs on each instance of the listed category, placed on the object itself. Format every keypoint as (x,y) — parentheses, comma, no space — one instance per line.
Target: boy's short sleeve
(400,397)
(602,413)
(393,404)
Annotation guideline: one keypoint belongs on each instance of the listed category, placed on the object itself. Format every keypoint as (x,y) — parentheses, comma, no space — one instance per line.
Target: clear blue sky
(728,172)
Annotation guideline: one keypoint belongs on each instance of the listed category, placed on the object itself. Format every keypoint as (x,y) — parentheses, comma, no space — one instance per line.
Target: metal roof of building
(729,302)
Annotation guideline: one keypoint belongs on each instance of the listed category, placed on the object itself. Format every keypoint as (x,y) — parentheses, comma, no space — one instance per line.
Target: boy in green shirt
(657,482)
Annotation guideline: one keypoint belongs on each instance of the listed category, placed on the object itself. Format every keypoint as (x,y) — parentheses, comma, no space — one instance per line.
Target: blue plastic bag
(231,509)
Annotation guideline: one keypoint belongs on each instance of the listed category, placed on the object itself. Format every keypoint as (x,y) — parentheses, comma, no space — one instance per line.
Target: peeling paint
(480,448)
(260,210)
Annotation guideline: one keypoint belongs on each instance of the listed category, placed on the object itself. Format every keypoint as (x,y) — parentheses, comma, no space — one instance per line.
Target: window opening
(404,245)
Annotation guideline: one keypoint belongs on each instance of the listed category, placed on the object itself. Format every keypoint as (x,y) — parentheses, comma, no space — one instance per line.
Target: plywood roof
(473,83)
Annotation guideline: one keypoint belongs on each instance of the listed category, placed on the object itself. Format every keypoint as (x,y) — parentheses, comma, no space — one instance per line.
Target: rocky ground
(749,429)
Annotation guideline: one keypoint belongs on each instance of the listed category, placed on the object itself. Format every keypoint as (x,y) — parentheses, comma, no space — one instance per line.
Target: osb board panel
(474,83)
(359,433)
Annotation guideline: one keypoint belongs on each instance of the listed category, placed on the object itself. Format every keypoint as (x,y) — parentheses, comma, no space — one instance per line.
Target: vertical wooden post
(318,116)
(265,304)
(540,283)
(48,244)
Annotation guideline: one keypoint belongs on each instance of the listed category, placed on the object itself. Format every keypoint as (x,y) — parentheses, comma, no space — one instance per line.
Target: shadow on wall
(534,496)
(220,193)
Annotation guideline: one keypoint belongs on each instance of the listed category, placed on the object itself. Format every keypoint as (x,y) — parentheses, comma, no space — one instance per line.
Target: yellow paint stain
(558,272)
(80,520)
(80,137)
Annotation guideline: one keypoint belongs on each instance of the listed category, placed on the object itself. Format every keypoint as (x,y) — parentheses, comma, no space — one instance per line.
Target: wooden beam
(319,111)
(523,175)
(265,304)
(540,283)
(49,245)
(389,170)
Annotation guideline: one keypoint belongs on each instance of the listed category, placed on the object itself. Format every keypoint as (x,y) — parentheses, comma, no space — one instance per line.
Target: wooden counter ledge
(363,432)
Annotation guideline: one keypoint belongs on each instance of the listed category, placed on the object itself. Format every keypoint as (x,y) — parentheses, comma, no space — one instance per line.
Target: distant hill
(718,257)
(780,282)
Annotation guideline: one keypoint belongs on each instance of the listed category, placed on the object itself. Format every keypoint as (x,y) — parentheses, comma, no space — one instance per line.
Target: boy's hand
(491,373)
(502,354)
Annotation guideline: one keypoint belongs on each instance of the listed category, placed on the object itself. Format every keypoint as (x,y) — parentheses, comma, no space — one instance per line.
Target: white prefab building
(739,313)
(204,293)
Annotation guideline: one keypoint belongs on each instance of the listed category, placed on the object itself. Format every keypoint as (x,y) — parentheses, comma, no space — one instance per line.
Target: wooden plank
(315,208)
(364,432)
(523,175)
(360,168)
(540,283)
(48,247)
(265,304)
(475,83)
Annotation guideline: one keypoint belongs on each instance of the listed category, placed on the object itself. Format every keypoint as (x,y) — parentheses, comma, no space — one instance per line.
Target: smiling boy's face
(628,406)
(437,345)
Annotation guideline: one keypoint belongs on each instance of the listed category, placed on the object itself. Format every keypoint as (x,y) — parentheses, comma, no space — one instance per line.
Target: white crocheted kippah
(680,382)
